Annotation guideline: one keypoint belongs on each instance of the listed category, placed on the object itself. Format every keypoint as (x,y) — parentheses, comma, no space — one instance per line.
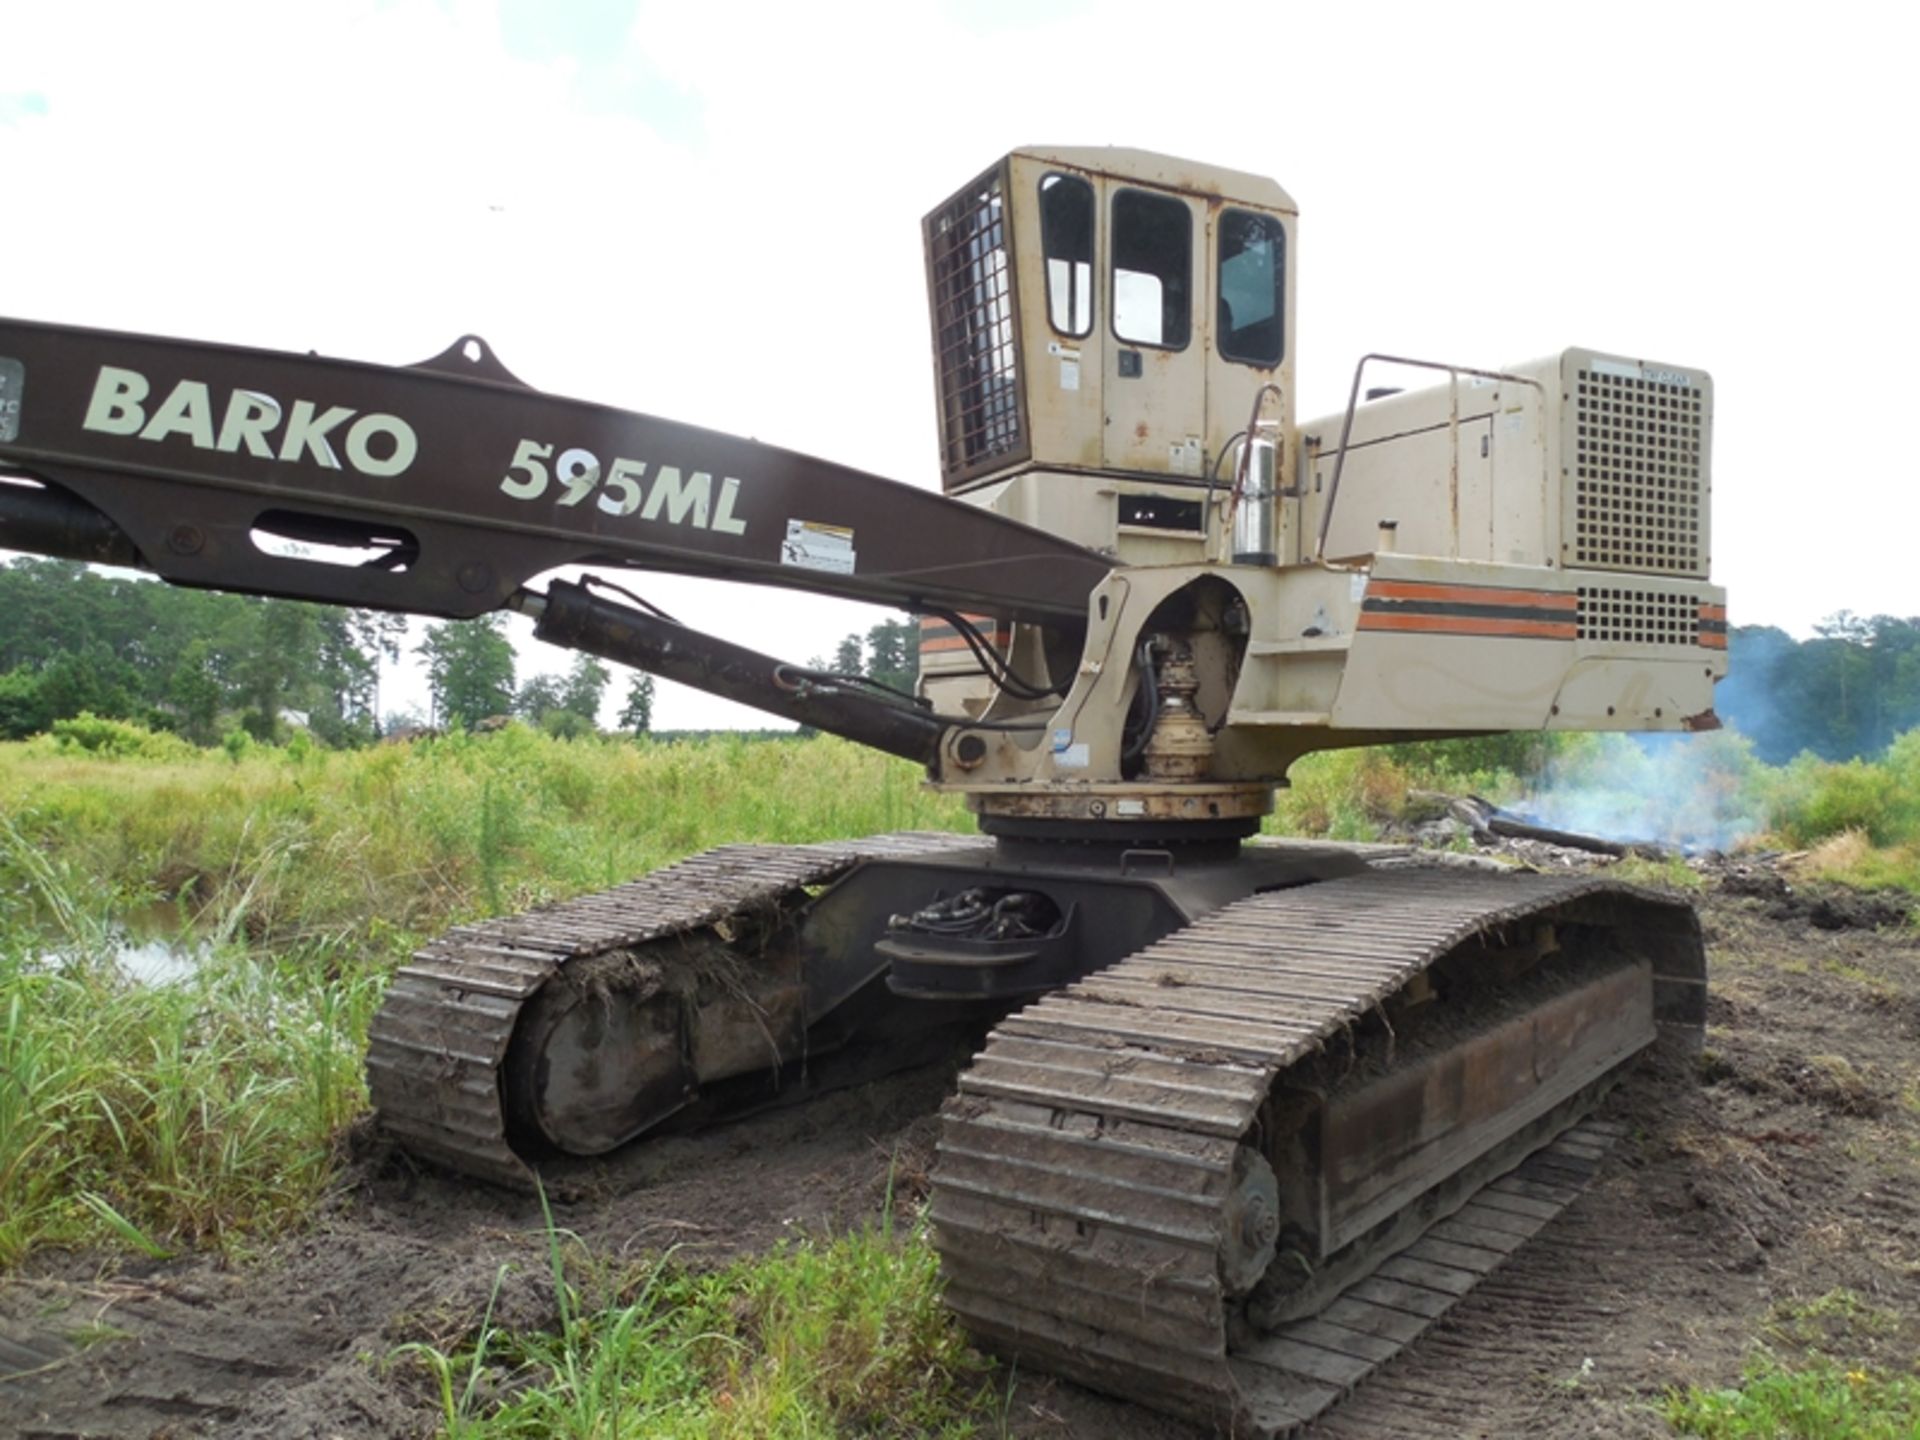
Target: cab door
(1154,380)
(1056,223)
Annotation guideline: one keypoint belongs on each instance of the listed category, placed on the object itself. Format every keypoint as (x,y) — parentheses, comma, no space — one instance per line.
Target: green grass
(842,1336)
(149,1117)
(200,1113)
(1822,1401)
(1833,1367)
(384,846)
(1852,859)
(1834,1324)
(206,1113)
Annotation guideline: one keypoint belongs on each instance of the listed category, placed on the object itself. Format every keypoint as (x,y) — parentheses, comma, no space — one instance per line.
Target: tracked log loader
(1248,1116)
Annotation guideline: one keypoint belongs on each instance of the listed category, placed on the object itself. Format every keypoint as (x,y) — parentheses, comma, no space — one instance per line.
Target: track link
(1085,1200)
(437,1045)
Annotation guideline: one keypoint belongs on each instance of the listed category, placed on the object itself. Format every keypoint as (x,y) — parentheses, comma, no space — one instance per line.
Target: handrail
(1453,428)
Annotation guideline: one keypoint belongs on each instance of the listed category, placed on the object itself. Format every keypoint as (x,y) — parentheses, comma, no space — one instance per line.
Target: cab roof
(1121,163)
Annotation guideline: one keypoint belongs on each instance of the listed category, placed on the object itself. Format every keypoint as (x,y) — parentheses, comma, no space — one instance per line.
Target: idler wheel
(596,1059)
(1250,1222)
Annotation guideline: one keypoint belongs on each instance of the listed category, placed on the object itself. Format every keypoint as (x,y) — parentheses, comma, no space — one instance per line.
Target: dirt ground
(1777,1168)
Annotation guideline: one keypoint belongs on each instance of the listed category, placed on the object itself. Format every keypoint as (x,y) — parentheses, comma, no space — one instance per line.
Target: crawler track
(1084,1199)
(438,1044)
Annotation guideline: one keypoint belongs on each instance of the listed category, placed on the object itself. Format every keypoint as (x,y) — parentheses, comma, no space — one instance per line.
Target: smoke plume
(1698,792)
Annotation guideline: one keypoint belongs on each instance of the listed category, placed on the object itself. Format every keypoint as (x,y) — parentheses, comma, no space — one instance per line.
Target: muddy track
(1782,1166)
(1779,1167)
(437,1050)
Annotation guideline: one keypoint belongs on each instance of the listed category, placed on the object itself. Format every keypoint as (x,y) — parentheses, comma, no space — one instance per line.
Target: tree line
(204,663)
(1846,692)
(470,674)
(73,640)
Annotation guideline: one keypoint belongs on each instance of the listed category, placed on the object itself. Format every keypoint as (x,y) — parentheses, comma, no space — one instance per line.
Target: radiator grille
(1638,617)
(970,270)
(1638,498)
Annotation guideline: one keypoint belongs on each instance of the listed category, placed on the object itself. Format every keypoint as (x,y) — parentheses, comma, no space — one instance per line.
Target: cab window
(1252,288)
(1066,238)
(1152,269)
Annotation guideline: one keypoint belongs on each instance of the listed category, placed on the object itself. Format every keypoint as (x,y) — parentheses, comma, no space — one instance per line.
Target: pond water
(154,945)
(159,962)
(157,944)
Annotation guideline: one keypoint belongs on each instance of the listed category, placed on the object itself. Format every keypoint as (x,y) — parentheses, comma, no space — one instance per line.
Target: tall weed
(1821,798)
(202,1112)
(400,841)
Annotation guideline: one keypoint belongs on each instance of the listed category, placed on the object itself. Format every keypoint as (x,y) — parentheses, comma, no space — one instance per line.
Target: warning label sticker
(13,384)
(813,546)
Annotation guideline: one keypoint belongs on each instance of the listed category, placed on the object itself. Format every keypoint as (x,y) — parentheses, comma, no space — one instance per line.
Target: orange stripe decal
(1470,625)
(1471,595)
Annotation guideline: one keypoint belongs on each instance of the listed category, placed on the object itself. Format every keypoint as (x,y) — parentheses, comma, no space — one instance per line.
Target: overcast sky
(711,212)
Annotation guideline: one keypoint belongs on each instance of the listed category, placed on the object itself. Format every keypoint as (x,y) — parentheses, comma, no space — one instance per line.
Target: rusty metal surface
(436,1046)
(1383,1140)
(1080,1202)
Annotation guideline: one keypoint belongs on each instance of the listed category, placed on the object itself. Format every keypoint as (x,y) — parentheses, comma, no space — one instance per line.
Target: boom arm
(464,483)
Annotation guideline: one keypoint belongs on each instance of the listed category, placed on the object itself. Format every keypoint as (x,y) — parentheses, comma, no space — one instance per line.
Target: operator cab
(1110,313)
